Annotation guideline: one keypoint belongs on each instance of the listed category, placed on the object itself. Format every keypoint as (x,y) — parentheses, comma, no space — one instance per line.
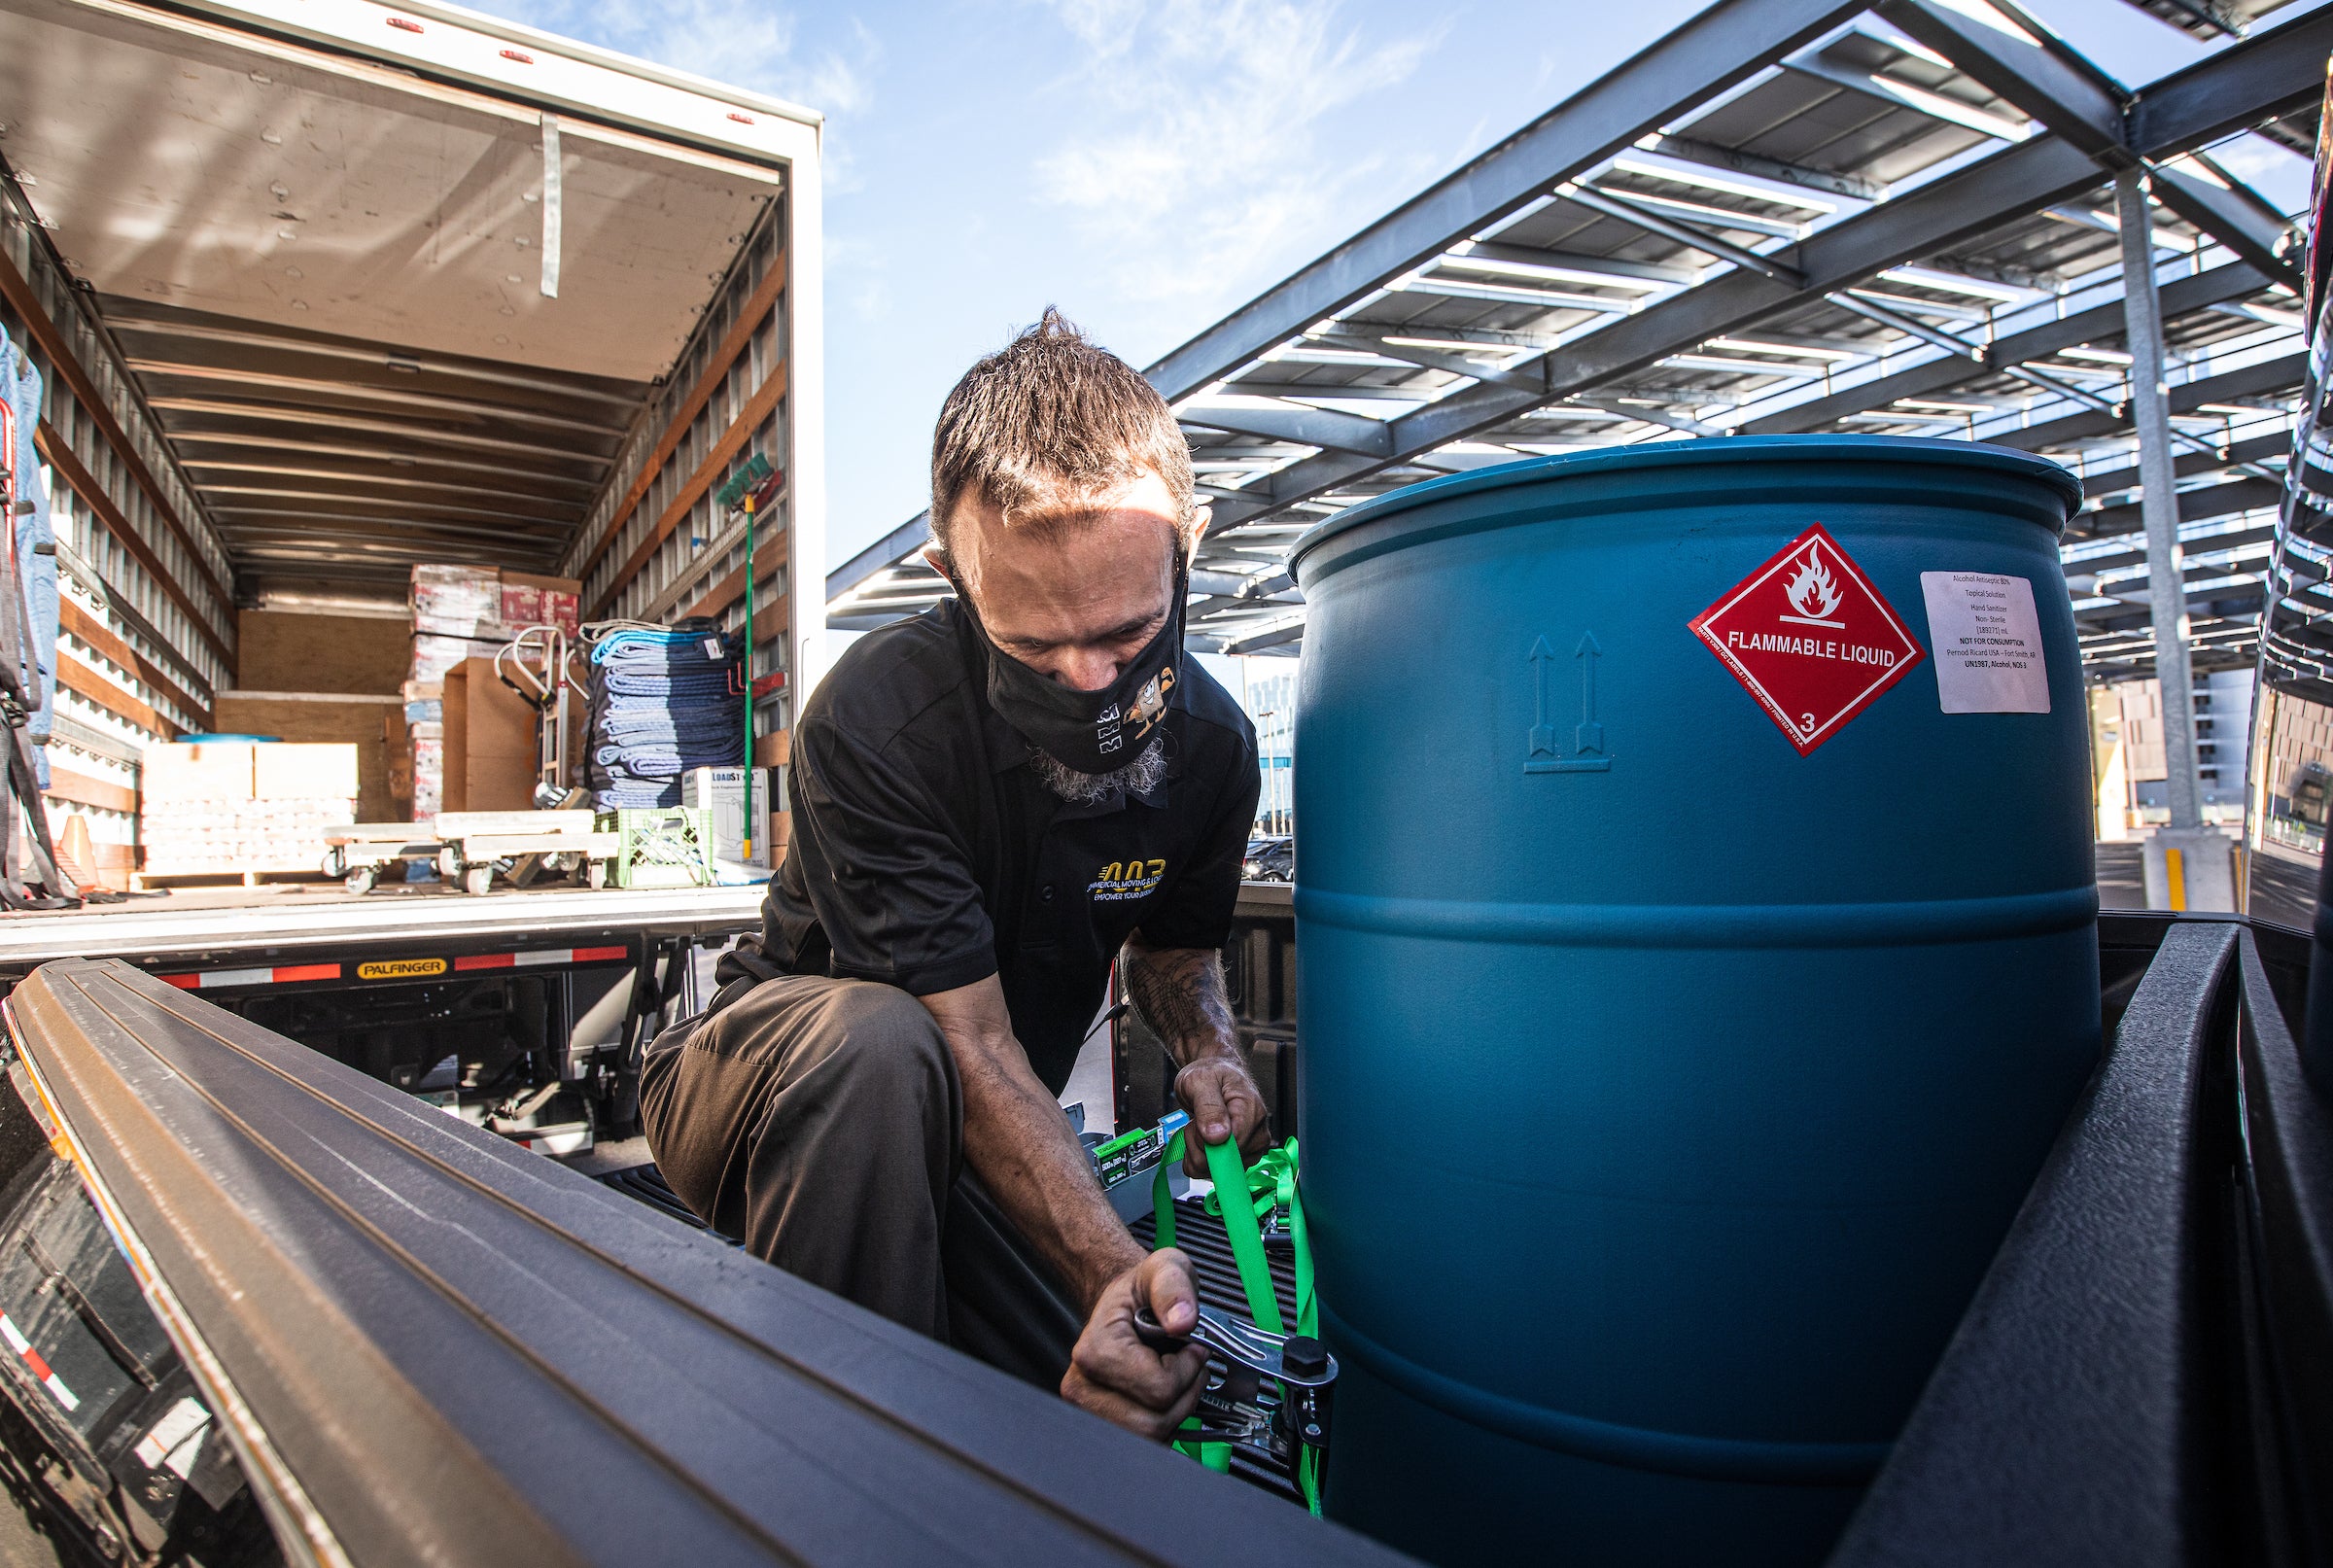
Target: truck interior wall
(324,720)
(135,518)
(656,546)
(284,651)
(147,629)
(323,678)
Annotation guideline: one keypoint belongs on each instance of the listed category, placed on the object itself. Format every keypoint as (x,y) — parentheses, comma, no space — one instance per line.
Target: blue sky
(1144,164)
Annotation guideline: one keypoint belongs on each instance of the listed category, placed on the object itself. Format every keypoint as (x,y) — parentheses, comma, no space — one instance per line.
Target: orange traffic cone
(77,857)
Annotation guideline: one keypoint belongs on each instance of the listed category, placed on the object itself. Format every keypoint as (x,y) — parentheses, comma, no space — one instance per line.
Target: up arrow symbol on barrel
(1590,734)
(1543,733)
(1547,755)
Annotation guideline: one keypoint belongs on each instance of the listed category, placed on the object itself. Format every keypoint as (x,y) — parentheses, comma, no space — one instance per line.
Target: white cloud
(2275,171)
(1200,161)
(748,44)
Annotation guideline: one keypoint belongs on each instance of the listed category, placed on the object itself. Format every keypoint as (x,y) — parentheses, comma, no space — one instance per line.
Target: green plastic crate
(662,846)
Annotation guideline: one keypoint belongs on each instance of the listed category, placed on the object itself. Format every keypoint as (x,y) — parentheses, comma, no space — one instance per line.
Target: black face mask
(1091,731)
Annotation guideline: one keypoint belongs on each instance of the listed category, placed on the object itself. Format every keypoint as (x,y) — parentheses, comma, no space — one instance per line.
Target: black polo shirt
(927,855)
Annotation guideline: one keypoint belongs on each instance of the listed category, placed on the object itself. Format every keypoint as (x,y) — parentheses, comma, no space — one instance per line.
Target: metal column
(2159,501)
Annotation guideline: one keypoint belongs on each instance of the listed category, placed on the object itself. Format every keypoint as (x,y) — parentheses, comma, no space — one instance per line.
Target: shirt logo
(1122,882)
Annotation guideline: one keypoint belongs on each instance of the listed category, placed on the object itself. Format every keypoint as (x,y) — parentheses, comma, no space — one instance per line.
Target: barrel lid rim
(1686,454)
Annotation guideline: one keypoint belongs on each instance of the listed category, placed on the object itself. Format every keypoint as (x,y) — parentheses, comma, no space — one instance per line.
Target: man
(992,802)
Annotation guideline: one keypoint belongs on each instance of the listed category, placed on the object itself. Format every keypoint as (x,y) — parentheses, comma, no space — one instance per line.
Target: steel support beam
(1611,205)
(1531,381)
(2234,214)
(887,551)
(2267,75)
(1663,417)
(2200,292)
(1713,51)
(1910,326)
(2082,104)
(2160,502)
(2090,110)
(1687,149)
(1312,427)
(1610,266)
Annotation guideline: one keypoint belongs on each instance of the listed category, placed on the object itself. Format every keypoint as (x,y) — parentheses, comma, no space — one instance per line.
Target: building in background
(2127,751)
(1266,687)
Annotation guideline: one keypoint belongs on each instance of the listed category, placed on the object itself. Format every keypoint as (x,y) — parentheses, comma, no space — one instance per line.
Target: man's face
(1076,601)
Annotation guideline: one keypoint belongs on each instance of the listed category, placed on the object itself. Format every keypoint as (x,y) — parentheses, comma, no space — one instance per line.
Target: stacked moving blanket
(662,702)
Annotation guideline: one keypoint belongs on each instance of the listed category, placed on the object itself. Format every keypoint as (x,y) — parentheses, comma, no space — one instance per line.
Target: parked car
(1271,857)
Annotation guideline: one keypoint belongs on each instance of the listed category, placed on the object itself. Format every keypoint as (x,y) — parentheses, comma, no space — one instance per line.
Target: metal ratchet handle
(1245,1345)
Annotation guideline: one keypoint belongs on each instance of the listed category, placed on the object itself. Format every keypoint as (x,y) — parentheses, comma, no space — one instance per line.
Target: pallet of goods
(243,809)
(464,613)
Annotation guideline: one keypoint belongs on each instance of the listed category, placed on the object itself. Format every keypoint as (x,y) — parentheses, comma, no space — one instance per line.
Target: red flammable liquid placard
(1810,637)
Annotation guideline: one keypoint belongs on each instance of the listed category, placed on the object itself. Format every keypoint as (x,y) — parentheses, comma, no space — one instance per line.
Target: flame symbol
(1813,592)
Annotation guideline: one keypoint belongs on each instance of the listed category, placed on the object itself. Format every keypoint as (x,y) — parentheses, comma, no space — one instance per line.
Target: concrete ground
(2121,877)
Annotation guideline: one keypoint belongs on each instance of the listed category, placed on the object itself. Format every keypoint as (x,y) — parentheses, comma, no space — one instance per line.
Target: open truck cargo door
(333,290)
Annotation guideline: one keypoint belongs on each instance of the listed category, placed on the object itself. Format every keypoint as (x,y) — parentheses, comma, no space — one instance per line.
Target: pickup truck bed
(2142,1376)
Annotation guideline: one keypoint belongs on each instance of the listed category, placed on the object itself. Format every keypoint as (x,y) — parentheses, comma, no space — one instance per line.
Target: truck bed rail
(2145,1375)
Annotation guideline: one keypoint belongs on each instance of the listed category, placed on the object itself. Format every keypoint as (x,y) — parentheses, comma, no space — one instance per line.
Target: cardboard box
(291,771)
(722,790)
(223,807)
(490,742)
(529,600)
(457,600)
(205,770)
(434,654)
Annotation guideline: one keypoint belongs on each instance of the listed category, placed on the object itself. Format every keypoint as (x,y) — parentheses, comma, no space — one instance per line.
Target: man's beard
(1138,777)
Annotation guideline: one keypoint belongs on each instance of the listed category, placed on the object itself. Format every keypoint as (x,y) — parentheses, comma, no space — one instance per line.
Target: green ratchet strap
(1270,1183)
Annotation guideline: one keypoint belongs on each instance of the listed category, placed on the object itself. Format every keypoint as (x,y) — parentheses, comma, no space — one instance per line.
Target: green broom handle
(748,769)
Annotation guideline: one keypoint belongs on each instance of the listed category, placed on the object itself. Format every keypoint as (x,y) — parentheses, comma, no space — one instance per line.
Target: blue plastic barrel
(1674,1056)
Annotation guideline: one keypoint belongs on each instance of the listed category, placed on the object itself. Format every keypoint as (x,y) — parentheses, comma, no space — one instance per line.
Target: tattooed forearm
(1180,992)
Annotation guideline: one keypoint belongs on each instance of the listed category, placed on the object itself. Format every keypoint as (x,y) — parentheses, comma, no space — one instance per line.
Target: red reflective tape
(39,1364)
(203,979)
(543,955)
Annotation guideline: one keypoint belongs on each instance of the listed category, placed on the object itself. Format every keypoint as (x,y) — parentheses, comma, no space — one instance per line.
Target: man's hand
(1114,1374)
(1180,991)
(1224,1102)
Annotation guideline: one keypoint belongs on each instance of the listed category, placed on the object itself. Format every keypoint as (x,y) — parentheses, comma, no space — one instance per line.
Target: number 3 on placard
(1806,723)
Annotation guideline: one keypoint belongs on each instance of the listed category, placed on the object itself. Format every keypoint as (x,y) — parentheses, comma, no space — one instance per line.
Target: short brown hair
(1050,417)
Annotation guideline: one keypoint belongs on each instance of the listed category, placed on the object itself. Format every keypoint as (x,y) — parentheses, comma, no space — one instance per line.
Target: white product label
(1987,643)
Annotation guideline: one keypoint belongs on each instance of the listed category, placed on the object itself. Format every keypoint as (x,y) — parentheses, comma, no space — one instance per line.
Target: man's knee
(883,1038)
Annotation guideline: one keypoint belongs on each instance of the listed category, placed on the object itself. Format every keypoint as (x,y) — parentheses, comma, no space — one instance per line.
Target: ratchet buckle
(1235,1407)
